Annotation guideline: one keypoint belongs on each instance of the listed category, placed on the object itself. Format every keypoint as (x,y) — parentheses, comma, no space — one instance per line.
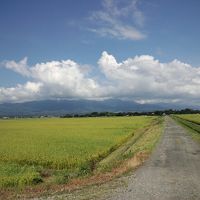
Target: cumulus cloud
(119,19)
(21,93)
(20,67)
(145,78)
(141,78)
(62,79)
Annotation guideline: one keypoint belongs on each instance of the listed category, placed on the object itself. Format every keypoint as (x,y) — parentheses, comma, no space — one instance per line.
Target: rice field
(191,117)
(191,122)
(34,149)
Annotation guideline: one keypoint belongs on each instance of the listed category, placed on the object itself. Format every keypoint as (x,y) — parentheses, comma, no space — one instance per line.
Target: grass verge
(193,128)
(142,143)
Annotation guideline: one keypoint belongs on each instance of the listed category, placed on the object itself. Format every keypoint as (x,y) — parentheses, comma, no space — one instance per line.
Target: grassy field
(191,117)
(36,150)
(191,122)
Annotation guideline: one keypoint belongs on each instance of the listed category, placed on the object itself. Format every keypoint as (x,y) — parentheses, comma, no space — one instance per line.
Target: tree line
(112,114)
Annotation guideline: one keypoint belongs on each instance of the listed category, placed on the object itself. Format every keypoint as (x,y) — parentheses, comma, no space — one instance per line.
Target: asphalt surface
(172,172)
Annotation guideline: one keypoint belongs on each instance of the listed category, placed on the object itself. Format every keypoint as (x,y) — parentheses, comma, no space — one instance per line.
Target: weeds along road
(171,173)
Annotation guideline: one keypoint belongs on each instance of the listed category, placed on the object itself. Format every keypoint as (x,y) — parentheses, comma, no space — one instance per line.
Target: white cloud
(144,78)
(63,79)
(141,78)
(20,67)
(119,19)
(21,93)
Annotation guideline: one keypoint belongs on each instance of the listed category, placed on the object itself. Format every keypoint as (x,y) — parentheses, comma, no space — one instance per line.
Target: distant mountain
(62,107)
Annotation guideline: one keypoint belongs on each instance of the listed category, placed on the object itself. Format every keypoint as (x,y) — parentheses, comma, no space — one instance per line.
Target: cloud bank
(119,19)
(141,78)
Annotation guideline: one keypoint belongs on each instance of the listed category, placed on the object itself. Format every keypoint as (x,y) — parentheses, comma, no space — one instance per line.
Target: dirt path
(172,173)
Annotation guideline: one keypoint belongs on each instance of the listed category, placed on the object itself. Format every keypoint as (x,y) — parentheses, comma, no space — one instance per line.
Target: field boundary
(123,151)
(188,123)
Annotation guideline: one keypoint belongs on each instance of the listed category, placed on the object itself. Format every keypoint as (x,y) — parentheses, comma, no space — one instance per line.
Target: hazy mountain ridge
(61,107)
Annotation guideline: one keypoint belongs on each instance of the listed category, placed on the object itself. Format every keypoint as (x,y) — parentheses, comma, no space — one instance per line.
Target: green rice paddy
(33,149)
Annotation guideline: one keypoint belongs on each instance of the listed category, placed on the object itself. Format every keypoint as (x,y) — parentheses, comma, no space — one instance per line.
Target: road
(172,172)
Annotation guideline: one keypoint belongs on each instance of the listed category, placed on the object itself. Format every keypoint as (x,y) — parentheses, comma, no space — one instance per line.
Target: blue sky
(55,30)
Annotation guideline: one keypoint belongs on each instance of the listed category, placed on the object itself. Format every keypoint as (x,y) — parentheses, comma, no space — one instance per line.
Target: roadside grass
(191,122)
(143,143)
(57,150)
(149,139)
(195,118)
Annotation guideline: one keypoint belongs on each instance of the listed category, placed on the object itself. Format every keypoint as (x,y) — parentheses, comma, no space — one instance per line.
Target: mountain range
(62,107)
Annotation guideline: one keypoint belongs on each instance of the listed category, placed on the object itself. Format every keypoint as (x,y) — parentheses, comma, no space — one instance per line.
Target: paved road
(172,172)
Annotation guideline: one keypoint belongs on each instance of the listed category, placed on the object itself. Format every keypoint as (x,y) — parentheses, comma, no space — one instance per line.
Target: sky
(141,50)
